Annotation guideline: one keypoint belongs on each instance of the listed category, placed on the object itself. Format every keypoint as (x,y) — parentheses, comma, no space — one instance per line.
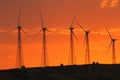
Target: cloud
(114,3)
(109,3)
(104,3)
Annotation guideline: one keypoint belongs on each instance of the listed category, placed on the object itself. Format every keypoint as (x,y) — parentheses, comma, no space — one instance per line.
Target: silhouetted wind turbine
(44,29)
(87,57)
(112,43)
(20,61)
(72,34)
(19,57)
(44,48)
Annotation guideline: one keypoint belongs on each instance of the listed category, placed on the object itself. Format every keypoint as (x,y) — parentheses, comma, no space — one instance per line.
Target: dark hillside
(74,72)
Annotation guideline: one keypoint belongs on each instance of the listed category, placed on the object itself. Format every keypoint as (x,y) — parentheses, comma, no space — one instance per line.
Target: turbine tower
(72,35)
(87,51)
(20,61)
(112,43)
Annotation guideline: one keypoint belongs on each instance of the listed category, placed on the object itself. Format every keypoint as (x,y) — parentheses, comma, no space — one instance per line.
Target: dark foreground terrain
(74,72)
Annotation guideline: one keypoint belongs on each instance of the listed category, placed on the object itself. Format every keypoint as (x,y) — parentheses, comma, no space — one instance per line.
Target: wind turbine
(112,43)
(44,48)
(20,61)
(87,57)
(72,35)
(19,56)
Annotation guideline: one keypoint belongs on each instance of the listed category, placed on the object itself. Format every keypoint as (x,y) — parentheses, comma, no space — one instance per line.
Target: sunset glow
(93,15)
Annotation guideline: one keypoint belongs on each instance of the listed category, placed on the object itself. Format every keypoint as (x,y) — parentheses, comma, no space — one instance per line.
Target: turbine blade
(42,24)
(11,30)
(73,21)
(49,31)
(25,32)
(108,33)
(109,46)
(19,17)
(75,36)
(60,30)
(81,27)
(84,43)
(37,34)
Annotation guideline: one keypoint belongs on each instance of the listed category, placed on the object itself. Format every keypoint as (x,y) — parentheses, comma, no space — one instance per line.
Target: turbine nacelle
(71,28)
(113,39)
(87,32)
(19,27)
(44,28)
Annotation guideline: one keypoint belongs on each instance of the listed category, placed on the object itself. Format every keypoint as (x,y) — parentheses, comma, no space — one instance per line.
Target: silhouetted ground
(74,72)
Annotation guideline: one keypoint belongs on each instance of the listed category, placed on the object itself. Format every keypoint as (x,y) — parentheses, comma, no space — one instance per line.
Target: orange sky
(94,15)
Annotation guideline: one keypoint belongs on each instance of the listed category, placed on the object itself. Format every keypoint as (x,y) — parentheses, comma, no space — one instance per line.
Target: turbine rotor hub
(87,32)
(19,27)
(71,28)
(113,39)
(44,28)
